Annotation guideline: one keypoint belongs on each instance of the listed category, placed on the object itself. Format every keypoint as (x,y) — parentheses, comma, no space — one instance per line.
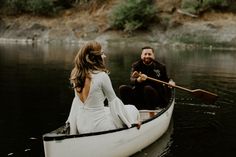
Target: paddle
(199,93)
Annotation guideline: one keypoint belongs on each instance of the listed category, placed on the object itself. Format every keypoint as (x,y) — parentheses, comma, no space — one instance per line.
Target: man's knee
(151,97)
(125,89)
(126,94)
(149,90)
(122,87)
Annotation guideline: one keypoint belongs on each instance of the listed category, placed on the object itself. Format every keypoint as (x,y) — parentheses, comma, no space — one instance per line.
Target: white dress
(93,116)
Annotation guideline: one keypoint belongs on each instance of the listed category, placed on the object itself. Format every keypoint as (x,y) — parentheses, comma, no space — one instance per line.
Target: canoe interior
(146,116)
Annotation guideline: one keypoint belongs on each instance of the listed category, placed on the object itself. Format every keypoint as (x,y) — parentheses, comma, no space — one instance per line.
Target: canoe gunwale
(56,137)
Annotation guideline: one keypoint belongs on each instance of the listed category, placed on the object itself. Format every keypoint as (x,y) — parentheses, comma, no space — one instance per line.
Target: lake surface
(36,97)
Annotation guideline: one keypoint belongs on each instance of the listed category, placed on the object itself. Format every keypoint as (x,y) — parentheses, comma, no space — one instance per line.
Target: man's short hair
(148,47)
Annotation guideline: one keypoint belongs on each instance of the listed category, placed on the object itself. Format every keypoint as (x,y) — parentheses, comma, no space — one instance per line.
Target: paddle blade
(205,95)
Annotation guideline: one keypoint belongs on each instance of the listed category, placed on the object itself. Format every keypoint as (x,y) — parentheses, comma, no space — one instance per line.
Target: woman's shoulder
(100,77)
(100,74)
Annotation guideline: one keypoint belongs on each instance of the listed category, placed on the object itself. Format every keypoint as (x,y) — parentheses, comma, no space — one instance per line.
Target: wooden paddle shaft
(175,86)
(182,88)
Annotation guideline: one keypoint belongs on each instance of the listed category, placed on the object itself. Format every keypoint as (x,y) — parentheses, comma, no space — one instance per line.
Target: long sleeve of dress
(118,112)
(71,119)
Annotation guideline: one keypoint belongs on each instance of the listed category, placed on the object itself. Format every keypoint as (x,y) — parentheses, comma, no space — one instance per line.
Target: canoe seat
(65,129)
(146,114)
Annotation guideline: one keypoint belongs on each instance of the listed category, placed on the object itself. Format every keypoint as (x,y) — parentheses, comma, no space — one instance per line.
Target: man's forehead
(147,50)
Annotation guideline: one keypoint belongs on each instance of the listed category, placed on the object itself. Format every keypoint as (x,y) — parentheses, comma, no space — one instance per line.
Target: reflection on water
(36,96)
(34,93)
(161,147)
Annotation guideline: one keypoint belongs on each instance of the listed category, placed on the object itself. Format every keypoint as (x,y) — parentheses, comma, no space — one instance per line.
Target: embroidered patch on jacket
(158,73)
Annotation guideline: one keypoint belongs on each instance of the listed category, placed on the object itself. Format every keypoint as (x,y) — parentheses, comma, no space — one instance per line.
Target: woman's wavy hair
(88,60)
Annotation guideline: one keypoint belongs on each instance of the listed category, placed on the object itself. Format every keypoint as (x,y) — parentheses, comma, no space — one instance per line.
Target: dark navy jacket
(155,70)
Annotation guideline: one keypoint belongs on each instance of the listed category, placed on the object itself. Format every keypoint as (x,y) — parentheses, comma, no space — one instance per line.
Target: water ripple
(198,105)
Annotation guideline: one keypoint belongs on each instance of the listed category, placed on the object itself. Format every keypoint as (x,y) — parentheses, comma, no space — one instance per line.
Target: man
(146,94)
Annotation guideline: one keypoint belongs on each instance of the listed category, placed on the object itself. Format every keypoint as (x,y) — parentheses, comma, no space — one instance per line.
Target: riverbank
(72,27)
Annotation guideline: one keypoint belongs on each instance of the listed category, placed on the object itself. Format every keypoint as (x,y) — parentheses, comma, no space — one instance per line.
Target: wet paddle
(199,93)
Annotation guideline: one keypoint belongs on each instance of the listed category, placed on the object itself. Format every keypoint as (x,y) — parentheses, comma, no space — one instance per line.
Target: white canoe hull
(121,143)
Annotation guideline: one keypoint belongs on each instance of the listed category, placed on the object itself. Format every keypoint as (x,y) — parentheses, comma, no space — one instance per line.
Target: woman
(92,86)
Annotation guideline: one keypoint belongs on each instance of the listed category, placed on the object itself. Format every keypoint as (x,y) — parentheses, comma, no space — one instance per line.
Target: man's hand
(172,83)
(140,77)
(135,74)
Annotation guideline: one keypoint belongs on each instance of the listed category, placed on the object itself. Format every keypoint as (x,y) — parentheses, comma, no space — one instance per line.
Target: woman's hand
(138,125)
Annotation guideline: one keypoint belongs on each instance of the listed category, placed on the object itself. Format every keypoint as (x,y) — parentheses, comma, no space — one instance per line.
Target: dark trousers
(143,98)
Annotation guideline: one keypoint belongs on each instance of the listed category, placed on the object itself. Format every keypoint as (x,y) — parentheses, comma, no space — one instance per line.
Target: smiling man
(146,94)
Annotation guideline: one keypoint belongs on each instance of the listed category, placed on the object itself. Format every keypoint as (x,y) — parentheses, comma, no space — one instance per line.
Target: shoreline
(208,34)
(73,43)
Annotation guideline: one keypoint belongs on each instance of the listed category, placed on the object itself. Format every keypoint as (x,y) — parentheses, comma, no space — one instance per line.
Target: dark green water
(35,97)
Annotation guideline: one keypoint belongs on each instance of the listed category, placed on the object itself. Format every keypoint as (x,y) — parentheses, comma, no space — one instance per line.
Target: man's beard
(147,61)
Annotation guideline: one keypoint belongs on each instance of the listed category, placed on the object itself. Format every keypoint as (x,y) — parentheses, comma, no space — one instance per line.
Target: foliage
(15,5)
(42,7)
(190,6)
(64,3)
(132,15)
(197,6)
(214,3)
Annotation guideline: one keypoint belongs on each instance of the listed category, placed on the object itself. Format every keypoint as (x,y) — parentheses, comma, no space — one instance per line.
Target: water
(35,97)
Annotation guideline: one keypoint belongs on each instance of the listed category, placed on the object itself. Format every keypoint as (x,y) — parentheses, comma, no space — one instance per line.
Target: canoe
(121,142)
(161,146)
